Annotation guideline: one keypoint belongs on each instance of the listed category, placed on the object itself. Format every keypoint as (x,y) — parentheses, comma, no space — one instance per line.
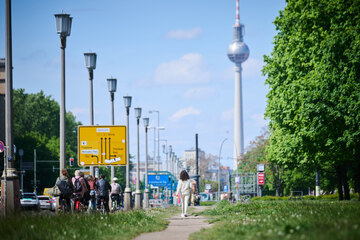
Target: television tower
(238,52)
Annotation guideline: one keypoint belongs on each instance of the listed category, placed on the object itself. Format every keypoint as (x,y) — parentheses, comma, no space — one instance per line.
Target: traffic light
(71,161)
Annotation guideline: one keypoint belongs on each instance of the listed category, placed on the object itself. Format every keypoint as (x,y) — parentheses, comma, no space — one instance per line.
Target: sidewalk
(179,228)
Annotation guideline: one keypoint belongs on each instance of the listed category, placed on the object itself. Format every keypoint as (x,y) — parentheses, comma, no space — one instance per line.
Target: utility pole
(197,161)
(35,185)
(11,198)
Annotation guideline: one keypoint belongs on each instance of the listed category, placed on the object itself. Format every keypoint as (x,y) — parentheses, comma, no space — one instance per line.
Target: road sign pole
(35,171)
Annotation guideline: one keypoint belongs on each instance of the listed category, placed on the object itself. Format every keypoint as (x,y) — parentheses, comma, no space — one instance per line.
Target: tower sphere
(238,52)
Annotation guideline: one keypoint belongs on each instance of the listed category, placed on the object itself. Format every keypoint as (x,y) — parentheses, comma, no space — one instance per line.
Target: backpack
(64,187)
(77,185)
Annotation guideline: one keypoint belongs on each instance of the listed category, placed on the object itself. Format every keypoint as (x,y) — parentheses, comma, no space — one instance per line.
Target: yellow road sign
(102,145)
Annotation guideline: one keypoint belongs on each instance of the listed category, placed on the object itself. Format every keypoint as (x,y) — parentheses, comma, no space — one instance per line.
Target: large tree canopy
(36,126)
(313,74)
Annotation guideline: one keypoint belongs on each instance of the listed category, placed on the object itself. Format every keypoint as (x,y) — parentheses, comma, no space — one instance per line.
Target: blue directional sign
(225,188)
(159,180)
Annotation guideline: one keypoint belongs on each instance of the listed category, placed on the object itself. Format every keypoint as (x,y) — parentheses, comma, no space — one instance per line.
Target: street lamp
(222,143)
(112,89)
(146,195)
(63,28)
(154,161)
(137,192)
(127,200)
(90,63)
(166,153)
(170,156)
(158,152)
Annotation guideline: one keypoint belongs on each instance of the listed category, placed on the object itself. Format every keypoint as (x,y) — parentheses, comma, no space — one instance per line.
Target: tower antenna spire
(237,23)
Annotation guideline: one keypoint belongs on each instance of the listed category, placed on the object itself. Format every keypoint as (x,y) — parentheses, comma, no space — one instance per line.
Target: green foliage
(283,220)
(36,126)
(124,225)
(313,76)
(207,203)
(331,197)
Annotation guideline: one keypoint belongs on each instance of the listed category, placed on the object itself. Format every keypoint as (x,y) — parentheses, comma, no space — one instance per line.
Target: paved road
(179,228)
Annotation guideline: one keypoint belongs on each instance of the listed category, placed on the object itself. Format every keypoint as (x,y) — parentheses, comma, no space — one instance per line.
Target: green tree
(36,126)
(313,73)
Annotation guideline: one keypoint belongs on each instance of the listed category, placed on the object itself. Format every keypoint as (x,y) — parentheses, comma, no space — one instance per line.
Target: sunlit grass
(124,225)
(283,220)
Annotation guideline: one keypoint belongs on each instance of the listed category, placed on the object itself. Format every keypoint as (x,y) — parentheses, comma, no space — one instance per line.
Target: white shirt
(183,187)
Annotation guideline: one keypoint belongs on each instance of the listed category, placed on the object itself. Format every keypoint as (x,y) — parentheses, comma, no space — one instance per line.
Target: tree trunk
(345,182)
(339,181)
(357,172)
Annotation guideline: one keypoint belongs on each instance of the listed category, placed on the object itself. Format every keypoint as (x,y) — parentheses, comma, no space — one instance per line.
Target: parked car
(30,200)
(53,200)
(45,202)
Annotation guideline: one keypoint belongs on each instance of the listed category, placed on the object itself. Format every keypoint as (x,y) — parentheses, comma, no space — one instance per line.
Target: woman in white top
(184,189)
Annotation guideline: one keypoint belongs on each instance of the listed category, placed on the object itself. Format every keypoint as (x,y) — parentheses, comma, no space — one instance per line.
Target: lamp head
(111,84)
(137,112)
(127,101)
(63,24)
(90,60)
(146,122)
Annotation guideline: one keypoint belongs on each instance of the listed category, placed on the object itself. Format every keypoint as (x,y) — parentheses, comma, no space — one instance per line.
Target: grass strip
(123,225)
(323,220)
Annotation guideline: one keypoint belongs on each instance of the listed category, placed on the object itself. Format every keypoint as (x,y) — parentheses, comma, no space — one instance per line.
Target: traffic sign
(237,180)
(261,178)
(102,145)
(1,146)
(159,180)
(226,188)
(208,186)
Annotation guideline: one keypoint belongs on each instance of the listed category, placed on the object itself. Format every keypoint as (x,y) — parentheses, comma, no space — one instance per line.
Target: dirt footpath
(179,228)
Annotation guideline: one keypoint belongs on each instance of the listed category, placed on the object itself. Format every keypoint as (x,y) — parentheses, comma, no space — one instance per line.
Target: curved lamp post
(63,28)
(222,143)
(127,200)
(146,194)
(158,137)
(137,192)
(90,63)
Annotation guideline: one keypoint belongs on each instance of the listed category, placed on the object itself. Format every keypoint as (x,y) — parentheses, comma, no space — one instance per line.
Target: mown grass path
(311,219)
(180,228)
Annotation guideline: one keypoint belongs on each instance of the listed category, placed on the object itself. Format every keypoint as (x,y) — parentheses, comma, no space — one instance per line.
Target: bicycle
(63,204)
(92,201)
(114,203)
(101,206)
(78,205)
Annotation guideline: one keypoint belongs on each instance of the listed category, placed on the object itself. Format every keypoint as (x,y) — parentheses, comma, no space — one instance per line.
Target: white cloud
(199,92)
(251,68)
(184,34)
(259,120)
(188,69)
(184,112)
(227,115)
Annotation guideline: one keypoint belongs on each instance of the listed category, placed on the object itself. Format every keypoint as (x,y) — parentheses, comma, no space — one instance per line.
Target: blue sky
(169,55)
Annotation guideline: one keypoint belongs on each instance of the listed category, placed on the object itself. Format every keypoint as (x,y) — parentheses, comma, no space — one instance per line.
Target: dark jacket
(68,180)
(103,187)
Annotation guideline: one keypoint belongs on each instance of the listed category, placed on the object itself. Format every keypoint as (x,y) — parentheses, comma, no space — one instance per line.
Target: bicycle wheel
(102,208)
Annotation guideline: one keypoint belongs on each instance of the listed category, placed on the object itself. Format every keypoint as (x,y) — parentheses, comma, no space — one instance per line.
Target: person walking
(184,189)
